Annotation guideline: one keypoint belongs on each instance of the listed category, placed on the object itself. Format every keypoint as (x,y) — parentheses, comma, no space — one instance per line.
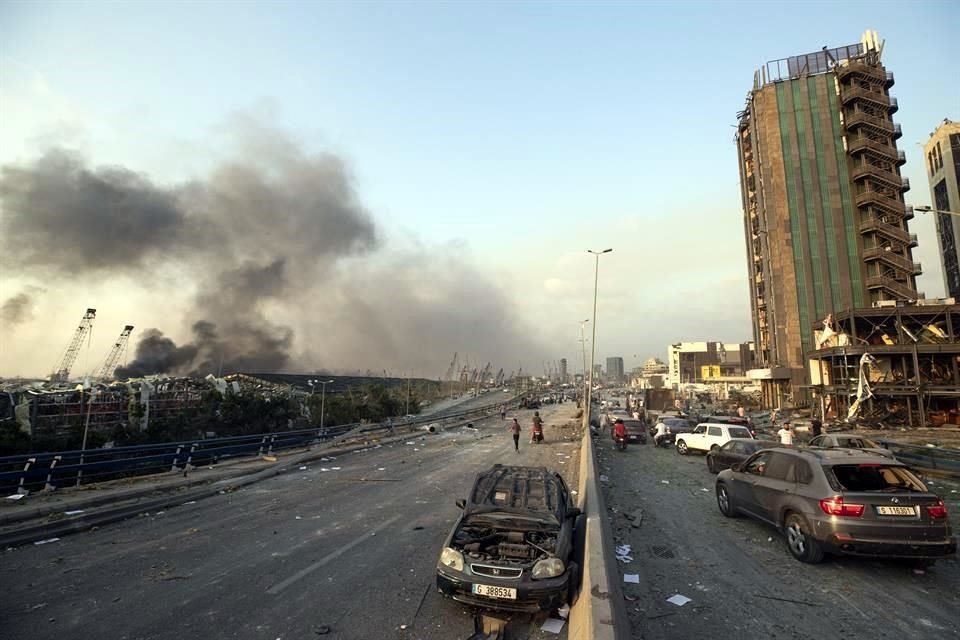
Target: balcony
(888,80)
(901,158)
(917,268)
(894,106)
(859,118)
(895,260)
(888,230)
(852,94)
(859,67)
(881,201)
(901,290)
(862,143)
(889,178)
(897,132)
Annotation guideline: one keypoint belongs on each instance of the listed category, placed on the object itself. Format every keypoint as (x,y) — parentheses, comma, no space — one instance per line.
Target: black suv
(838,501)
(512,546)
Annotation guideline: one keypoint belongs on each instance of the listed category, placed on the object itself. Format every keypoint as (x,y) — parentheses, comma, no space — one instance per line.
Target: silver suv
(838,501)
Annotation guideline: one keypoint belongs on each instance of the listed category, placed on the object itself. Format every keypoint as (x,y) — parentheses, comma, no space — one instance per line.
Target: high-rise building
(563,370)
(942,153)
(685,360)
(615,369)
(824,216)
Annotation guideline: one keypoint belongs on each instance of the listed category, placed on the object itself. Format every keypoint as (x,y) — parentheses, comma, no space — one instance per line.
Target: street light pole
(929,209)
(593,342)
(583,349)
(323,400)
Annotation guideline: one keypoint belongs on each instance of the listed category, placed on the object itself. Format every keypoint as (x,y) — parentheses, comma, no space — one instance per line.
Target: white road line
(280,586)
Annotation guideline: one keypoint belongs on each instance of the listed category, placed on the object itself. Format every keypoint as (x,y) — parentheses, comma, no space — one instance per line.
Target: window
(731,447)
(739,432)
(780,467)
(875,477)
(715,431)
(817,442)
(700,429)
(757,464)
(802,472)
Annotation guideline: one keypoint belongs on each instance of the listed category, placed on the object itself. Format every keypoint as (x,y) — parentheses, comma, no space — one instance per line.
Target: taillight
(937,511)
(837,507)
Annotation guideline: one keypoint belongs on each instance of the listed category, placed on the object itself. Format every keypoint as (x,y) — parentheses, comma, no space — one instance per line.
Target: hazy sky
(490,144)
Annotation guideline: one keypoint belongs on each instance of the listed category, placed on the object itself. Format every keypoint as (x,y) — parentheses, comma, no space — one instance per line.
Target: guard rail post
(270,448)
(176,457)
(48,485)
(263,442)
(188,465)
(23,478)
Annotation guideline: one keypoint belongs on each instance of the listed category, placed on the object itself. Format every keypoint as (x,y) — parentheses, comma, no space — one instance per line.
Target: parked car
(709,435)
(512,547)
(838,501)
(849,441)
(636,430)
(734,451)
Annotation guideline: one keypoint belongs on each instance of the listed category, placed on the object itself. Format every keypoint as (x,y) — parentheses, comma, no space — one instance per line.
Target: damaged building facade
(825,222)
(895,365)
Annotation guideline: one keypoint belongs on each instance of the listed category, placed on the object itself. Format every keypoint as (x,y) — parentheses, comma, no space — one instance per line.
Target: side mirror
(462,503)
(574,512)
(735,467)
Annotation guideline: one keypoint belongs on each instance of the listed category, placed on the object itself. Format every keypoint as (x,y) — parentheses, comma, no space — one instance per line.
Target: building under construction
(824,216)
(896,365)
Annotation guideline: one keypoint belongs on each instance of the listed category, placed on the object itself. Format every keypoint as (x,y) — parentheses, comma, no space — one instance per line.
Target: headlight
(452,558)
(549,568)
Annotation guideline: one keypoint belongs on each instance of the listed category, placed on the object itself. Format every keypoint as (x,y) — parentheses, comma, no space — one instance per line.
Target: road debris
(17,496)
(269,458)
(623,553)
(552,625)
(322,629)
(635,518)
(664,482)
(73,512)
(806,602)
(678,600)
(303,467)
(47,541)
(631,578)
(564,611)
(604,478)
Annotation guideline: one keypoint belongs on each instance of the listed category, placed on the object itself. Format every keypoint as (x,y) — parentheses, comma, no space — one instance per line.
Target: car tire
(725,501)
(682,448)
(573,585)
(800,543)
(711,467)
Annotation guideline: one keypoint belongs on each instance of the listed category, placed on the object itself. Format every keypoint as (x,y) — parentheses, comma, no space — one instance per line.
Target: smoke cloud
(19,308)
(290,270)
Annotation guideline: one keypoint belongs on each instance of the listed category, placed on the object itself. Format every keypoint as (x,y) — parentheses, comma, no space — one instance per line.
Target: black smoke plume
(276,245)
(19,308)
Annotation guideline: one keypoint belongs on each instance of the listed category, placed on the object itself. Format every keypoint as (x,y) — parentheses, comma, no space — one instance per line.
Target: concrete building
(824,217)
(686,361)
(563,370)
(615,369)
(942,154)
(654,366)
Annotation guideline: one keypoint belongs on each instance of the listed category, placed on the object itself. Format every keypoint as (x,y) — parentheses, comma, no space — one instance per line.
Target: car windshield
(739,432)
(875,477)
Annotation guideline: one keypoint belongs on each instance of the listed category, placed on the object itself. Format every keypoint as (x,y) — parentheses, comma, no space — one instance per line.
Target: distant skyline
(488,145)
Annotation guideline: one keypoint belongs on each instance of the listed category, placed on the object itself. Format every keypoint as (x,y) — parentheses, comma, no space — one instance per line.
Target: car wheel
(682,448)
(725,501)
(573,584)
(711,467)
(801,544)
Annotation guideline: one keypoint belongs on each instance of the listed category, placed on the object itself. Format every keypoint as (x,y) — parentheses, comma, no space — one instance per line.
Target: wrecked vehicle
(512,547)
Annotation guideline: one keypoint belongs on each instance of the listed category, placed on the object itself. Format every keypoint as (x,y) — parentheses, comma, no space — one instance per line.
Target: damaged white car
(512,548)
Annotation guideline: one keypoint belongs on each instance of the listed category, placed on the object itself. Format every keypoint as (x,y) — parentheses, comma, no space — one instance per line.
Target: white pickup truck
(709,436)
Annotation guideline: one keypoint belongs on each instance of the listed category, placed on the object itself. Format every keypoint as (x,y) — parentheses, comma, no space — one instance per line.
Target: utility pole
(593,343)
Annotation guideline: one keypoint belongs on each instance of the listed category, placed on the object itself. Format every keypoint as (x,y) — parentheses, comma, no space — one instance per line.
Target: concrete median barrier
(597,613)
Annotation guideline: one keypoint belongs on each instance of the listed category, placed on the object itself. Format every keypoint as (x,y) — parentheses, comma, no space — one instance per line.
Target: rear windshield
(874,477)
(739,432)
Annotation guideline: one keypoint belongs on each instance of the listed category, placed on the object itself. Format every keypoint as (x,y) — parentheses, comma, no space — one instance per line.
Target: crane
(452,368)
(62,372)
(113,358)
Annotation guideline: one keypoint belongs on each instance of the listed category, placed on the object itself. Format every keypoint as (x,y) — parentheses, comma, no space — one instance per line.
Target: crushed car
(512,546)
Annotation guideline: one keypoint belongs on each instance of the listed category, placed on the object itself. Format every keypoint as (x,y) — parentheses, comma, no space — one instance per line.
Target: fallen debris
(269,458)
(564,611)
(553,625)
(47,541)
(631,578)
(678,600)
(809,604)
(17,496)
(72,513)
(664,482)
(322,629)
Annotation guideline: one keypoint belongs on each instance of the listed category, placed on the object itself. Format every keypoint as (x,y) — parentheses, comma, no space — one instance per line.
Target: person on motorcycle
(537,427)
(660,434)
(619,430)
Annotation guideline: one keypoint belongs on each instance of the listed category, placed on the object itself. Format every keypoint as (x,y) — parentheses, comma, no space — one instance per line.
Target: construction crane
(452,368)
(113,358)
(499,379)
(62,372)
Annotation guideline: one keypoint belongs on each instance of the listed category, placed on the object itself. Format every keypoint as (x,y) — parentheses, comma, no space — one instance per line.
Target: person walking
(515,428)
(503,412)
(786,435)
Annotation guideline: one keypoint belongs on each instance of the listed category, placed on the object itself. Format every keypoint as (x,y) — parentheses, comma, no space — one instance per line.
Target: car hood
(534,493)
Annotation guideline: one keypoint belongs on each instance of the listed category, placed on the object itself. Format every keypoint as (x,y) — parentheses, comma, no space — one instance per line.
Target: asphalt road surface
(348,544)
(741,580)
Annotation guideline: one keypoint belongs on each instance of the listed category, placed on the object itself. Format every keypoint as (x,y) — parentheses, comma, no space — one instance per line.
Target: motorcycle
(664,442)
(620,442)
(538,434)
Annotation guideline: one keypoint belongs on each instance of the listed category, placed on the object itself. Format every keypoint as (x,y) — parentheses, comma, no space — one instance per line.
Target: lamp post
(583,349)
(323,397)
(593,341)
(86,429)
(929,209)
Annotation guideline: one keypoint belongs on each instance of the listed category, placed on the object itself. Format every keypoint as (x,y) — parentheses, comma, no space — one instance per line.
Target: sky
(470,154)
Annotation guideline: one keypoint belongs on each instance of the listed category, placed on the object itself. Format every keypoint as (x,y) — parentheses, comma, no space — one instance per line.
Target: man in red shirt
(619,429)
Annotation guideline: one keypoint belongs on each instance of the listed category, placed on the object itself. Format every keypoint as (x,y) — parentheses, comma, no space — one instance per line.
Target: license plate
(896,511)
(503,593)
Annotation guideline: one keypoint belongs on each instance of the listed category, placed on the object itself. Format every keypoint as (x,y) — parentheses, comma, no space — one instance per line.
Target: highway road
(741,580)
(348,544)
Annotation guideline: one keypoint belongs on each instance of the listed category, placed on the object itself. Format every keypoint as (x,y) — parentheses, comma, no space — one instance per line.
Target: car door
(714,437)
(776,485)
(725,456)
(695,439)
(818,441)
(751,472)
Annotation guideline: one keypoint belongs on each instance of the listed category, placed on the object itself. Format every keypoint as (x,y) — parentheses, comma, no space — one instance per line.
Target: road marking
(280,586)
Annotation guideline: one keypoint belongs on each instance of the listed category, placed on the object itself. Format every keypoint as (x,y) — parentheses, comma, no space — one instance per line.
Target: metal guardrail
(936,459)
(49,470)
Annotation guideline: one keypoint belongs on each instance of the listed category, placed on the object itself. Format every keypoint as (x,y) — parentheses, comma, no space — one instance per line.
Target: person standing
(503,412)
(816,427)
(786,435)
(515,428)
